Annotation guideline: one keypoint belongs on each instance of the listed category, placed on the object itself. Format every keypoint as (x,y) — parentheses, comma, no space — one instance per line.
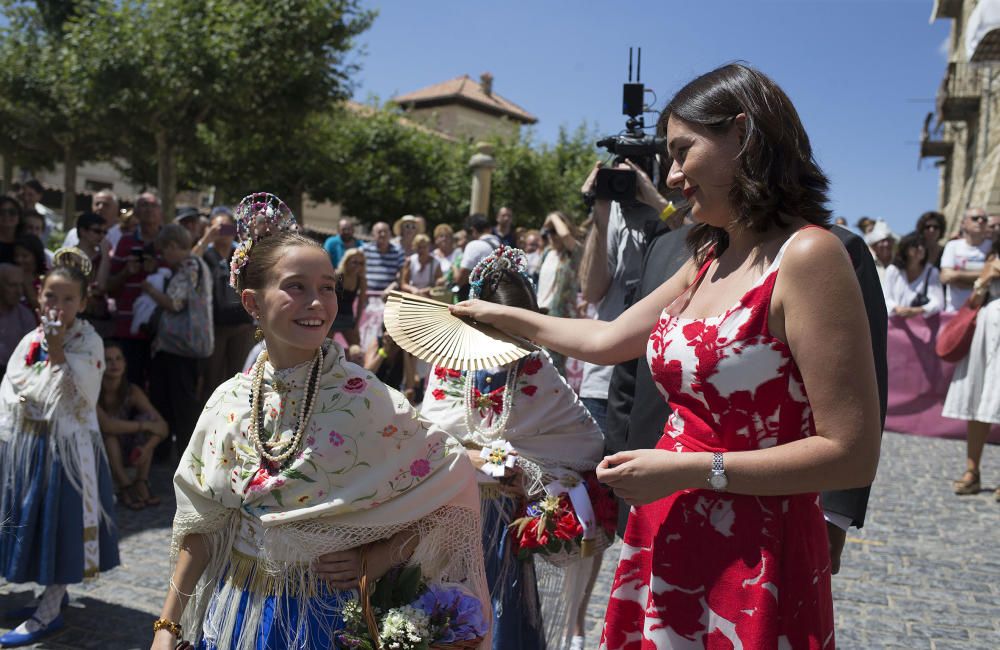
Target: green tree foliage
(534,180)
(191,68)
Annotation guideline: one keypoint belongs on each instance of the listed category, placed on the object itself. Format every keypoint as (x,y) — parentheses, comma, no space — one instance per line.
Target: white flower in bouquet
(404,628)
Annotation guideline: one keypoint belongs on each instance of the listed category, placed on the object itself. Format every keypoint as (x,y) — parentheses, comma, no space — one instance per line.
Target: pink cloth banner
(918,380)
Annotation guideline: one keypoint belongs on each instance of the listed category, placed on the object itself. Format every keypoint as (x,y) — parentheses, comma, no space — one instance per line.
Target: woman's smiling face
(703,168)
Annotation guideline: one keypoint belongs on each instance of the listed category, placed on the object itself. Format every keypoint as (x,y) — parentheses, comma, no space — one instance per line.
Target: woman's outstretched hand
(478,310)
(642,476)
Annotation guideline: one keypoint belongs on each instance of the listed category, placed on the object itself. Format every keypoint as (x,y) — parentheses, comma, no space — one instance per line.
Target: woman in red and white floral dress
(761,346)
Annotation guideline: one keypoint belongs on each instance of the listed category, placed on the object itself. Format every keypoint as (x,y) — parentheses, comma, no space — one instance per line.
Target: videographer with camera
(612,256)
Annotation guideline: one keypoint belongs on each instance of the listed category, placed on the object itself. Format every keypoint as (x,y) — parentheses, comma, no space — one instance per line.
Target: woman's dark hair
(34,246)
(264,255)
(121,393)
(929,217)
(777,175)
(906,242)
(511,289)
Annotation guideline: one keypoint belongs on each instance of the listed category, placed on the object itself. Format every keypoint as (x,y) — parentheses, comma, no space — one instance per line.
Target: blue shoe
(26,612)
(13,639)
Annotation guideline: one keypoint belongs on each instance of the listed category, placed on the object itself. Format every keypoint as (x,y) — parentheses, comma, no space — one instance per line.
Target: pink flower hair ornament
(258,215)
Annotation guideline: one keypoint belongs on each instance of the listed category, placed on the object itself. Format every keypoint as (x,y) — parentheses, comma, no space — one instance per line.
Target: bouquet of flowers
(411,614)
(550,525)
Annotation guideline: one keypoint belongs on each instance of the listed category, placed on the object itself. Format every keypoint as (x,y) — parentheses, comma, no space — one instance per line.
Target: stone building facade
(963,134)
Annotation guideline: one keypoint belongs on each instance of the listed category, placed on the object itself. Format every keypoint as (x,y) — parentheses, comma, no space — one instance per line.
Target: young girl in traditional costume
(308,475)
(529,406)
(56,493)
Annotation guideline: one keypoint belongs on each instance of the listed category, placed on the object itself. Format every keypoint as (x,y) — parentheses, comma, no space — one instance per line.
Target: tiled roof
(464,90)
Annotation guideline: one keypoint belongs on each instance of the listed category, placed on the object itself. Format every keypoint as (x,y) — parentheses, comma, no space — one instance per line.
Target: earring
(258,334)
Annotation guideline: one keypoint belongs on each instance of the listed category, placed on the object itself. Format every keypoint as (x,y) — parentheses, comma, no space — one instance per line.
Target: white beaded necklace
(268,449)
(508,398)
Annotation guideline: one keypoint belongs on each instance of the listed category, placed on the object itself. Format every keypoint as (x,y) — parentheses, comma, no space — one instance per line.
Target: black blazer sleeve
(854,503)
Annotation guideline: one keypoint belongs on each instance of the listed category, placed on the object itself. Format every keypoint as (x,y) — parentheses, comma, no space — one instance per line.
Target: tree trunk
(166,174)
(69,187)
(295,204)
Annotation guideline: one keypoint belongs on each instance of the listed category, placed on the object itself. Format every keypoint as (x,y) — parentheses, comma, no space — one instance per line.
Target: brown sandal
(128,497)
(150,498)
(968,486)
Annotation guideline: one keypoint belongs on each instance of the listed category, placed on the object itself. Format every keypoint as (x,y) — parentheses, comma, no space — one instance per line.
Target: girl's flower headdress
(258,215)
(489,271)
(74,257)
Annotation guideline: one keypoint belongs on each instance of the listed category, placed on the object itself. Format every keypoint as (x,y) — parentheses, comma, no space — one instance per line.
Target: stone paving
(923,573)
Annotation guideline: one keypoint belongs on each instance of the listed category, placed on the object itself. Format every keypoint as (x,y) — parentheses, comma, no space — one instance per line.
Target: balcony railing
(931,144)
(958,98)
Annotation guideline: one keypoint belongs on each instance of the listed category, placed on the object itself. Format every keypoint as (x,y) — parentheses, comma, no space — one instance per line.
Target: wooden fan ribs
(427,329)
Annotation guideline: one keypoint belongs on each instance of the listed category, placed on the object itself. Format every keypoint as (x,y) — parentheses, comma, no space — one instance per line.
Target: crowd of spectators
(160,296)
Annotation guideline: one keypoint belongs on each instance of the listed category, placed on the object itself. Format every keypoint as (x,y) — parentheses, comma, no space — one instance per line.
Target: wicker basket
(365,588)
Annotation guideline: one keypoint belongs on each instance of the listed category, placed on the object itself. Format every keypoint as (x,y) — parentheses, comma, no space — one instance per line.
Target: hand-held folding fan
(427,330)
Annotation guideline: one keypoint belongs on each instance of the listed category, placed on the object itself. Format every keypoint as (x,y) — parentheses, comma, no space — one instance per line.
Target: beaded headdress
(490,270)
(73,257)
(258,215)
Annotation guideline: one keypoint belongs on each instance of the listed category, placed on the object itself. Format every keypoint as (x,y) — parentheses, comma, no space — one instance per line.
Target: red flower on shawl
(529,390)
(438,394)
(531,366)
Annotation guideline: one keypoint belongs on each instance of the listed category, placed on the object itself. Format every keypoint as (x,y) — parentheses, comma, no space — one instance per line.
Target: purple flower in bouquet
(455,614)
(534,509)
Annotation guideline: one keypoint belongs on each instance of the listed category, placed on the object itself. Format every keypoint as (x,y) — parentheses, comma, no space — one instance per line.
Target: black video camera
(633,145)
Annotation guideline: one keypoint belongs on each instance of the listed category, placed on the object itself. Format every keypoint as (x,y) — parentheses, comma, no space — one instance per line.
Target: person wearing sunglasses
(963,258)
(931,227)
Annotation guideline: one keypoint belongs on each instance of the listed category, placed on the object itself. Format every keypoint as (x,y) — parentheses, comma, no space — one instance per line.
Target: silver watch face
(718,481)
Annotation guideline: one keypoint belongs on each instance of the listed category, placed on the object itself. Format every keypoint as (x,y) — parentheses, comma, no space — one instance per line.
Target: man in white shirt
(963,258)
(104,203)
(482,242)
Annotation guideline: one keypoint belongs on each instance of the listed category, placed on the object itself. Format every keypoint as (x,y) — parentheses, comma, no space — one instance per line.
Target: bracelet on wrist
(168,625)
(382,353)
(668,211)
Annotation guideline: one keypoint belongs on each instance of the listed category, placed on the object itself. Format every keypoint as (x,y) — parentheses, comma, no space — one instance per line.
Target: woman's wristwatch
(718,479)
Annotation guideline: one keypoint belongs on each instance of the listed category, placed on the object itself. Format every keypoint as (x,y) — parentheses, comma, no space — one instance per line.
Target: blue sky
(862,74)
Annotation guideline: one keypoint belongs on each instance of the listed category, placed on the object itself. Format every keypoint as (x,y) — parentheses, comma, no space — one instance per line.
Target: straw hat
(397,227)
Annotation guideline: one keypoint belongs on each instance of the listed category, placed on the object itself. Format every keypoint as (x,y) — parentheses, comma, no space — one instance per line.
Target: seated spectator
(930,226)
(881,240)
(964,258)
(29,254)
(16,320)
(10,216)
(184,334)
(352,297)
(912,285)
(131,427)
(393,367)
(422,272)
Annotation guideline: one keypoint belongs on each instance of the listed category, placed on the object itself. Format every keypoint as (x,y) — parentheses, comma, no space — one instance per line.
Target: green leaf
(296,474)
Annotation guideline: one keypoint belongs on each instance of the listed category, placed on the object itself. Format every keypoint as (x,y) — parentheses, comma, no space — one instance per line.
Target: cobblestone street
(923,573)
